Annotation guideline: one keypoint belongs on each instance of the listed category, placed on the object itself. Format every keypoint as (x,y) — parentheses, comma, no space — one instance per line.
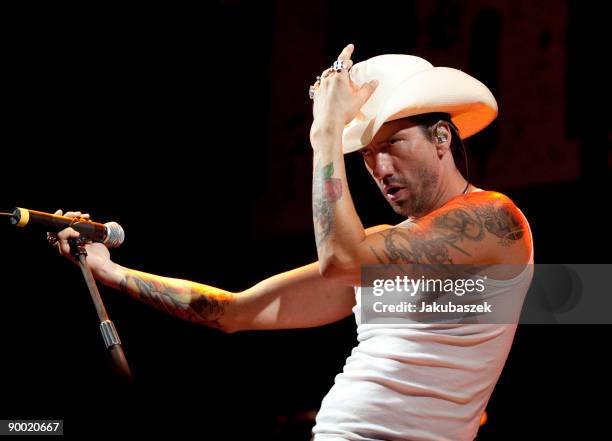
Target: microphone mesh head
(114,235)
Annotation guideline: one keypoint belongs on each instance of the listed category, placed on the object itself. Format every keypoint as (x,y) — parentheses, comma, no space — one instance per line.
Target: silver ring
(52,239)
(339,66)
(311,92)
(312,89)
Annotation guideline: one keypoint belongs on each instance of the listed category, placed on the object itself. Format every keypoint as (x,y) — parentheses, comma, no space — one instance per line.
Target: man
(402,382)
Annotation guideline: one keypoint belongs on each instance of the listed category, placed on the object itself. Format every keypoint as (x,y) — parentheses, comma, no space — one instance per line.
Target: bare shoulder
(476,228)
(479,227)
(499,213)
(503,221)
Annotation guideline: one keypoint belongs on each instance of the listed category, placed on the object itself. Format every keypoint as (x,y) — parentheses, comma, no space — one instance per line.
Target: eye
(365,152)
(394,141)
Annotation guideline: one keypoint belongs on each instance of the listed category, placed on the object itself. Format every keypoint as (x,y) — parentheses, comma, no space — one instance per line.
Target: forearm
(338,229)
(299,298)
(184,299)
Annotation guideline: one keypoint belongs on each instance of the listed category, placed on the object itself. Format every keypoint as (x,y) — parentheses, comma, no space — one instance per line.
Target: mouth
(394,192)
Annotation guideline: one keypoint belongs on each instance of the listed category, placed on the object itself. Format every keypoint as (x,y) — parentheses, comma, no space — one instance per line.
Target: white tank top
(418,382)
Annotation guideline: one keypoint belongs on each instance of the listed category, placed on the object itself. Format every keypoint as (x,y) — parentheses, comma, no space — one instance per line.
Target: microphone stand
(109,333)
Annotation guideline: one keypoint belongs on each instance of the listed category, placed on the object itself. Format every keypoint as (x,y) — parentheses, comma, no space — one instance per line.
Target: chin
(408,208)
(403,209)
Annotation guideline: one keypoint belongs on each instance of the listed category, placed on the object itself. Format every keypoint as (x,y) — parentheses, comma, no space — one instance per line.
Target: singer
(403,382)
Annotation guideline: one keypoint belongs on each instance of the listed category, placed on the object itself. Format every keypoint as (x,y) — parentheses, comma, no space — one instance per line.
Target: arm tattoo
(325,191)
(502,222)
(450,230)
(191,303)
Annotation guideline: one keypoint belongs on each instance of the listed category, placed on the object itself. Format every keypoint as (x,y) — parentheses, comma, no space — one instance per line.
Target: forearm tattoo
(325,191)
(195,304)
(451,230)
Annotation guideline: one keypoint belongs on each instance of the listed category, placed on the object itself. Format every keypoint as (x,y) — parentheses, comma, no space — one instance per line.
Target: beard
(421,192)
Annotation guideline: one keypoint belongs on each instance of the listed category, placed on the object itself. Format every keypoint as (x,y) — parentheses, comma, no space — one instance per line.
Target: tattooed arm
(299,298)
(184,299)
(337,227)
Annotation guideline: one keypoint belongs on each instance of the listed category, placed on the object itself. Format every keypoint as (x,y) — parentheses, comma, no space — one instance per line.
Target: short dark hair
(427,122)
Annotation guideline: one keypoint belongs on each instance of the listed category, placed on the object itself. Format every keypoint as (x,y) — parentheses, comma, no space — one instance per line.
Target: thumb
(367,89)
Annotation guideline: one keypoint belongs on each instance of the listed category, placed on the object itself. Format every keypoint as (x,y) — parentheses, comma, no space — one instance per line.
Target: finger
(346,52)
(67,233)
(58,212)
(64,248)
(73,214)
(64,236)
(66,251)
(327,72)
(366,90)
(86,216)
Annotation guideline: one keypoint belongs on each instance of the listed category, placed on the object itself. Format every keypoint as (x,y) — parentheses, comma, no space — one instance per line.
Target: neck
(450,188)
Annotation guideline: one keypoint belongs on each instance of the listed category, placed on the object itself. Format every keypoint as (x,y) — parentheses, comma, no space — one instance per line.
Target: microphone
(110,234)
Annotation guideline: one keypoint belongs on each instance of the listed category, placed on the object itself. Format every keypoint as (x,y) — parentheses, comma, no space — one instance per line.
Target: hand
(338,100)
(98,255)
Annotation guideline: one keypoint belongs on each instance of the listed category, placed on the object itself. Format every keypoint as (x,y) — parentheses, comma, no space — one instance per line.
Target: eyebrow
(387,140)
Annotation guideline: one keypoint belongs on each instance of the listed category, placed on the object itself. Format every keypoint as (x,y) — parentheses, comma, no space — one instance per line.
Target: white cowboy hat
(408,86)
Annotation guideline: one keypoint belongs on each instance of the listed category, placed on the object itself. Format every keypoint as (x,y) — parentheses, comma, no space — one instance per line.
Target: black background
(158,119)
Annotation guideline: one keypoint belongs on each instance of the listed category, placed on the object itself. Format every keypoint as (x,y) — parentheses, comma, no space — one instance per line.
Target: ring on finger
(312,89)
(339,66)
(52,239)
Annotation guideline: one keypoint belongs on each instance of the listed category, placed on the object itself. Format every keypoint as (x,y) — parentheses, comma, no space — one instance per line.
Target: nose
(383,166)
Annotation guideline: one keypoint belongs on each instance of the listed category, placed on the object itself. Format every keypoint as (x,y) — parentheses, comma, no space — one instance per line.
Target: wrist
(325,131)
(110,274)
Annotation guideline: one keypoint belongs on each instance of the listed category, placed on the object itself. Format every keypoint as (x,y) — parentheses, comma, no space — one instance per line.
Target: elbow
(230,329)
(220,312)
(226,326)
(219,325)
(327,269)
(342,269)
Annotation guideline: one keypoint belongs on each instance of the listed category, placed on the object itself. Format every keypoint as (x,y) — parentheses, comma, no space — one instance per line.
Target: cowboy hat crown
(408,86)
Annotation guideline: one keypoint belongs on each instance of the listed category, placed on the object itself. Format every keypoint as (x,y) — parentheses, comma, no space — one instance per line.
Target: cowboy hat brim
(470,104)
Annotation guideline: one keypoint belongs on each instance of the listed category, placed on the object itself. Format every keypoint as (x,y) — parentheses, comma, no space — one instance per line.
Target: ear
(442,137)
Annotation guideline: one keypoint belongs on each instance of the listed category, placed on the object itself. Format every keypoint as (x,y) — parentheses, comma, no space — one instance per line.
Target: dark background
(190,128)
